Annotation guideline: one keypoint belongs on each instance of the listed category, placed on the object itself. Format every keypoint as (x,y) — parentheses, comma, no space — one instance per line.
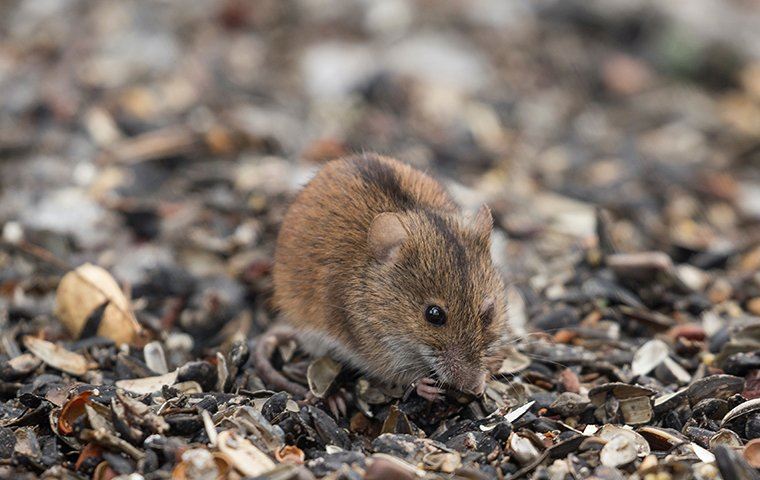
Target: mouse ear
(386,234)
(482,222)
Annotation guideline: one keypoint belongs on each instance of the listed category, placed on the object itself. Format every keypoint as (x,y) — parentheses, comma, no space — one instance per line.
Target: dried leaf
(141,386)
(155,358)
(636,411)
(57,356)
(82,291)
(290,454)
(71,411)
(518,412)
(648,356)
(245,456)
(752,453)
(321,375)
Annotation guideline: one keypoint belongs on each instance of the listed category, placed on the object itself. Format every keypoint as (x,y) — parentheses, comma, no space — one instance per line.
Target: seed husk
(57,356)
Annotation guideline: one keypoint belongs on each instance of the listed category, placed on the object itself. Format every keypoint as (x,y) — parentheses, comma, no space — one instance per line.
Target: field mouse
(376,267)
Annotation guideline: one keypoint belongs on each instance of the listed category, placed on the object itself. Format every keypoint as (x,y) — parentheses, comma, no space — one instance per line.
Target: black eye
(435,315)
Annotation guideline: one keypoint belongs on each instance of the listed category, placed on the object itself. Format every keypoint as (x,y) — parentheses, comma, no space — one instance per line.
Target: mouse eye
(435,315)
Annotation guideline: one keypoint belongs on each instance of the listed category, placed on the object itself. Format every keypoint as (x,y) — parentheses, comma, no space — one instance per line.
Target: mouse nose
(478,386)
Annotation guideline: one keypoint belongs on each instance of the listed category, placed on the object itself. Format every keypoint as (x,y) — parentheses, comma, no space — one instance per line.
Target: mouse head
(434,296)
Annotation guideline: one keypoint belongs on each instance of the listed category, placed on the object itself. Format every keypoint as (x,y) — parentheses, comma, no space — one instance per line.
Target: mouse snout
(472,382)
(476,385)
(463,374)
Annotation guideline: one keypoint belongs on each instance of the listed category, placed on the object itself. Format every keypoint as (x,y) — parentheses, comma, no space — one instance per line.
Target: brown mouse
(376,266)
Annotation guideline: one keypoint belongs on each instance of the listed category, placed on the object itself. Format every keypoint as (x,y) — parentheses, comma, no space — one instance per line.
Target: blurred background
(164,140)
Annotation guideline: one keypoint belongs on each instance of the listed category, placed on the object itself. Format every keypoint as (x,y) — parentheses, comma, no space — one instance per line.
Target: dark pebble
(710,408)
(543,400)
(732,466)
(697,303)
(740,364)
(719,339)
(699,435)
(7,442)
(202,372)
(329,431)
(329,463)
(274,406)
(673,420)
(508,468)
(149,463)
(183,423)
(208,403)
(118,463)
(465,442)
(501,431)
(752,427)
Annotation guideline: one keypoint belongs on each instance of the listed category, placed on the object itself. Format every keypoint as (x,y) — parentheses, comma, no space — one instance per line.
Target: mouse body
(376,266)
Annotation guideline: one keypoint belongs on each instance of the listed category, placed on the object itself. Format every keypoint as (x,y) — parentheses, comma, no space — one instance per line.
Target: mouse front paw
(337,402)
(426,388)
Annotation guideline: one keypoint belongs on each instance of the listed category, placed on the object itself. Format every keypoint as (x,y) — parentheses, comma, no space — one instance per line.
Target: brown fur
(345,301)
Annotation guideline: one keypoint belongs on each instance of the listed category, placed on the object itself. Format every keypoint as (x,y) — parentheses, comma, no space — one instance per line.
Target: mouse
(377,267)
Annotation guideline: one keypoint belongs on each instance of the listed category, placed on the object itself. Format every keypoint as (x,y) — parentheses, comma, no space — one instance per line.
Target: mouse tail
(262,355)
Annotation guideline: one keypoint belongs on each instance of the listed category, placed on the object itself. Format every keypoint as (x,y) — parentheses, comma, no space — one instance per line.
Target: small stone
(750,79)
(570,381)
(749,193)
(625,75)
(522,449)
(741,363)
(640,266)
(13,232)
(569,404)
(439,60)
(332,69)
(689,331)
(382,466)
(720,291)
(753,306)
(692,277)
(752,385)
(752,427)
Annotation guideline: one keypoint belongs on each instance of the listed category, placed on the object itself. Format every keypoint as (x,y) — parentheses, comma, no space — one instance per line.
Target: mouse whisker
(498,346)
(411,371)
(512,385)
(544,359)
(542,333)
(521,338)
(522,345)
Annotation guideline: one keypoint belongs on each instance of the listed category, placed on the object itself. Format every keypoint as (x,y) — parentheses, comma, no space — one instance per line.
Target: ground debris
(148,154)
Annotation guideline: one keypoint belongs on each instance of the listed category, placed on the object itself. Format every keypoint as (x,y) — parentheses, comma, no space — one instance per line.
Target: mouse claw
(337,404)
(341,405)
(332,404)
(426,389)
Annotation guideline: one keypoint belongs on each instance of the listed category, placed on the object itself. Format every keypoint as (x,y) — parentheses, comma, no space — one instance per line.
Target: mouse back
(323,239)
